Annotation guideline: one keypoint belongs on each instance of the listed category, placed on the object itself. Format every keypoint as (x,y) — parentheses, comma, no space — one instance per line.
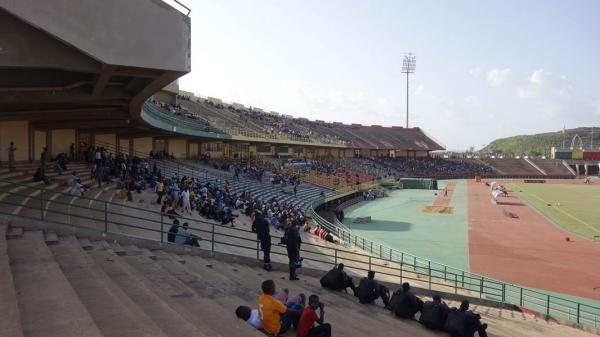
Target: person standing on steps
(292,240)
(11,157)
(43,160)
(160,190)
(261,227)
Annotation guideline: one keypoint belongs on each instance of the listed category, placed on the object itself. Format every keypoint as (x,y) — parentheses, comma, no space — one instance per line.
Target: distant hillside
(541,143)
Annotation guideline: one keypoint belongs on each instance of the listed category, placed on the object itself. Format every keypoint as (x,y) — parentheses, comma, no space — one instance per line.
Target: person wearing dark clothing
(463,323)
(295,190)
(39,176)
(261,227)
(337,279)
(404,303)
(72,151)
(472,321)
(11,157)
(292,243)
(173,231)
(43,160)
(369,290)
(434,314)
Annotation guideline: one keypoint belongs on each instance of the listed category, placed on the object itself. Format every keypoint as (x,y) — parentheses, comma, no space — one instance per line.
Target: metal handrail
(492,289)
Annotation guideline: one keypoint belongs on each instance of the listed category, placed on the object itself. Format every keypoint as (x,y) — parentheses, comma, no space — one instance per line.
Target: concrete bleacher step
(10,317)
(47,302)
(131,250)
(221,296)
(117,249)
(195,309)
(113,311)
(143,294)
(14,233)
(85,244)
(50,238)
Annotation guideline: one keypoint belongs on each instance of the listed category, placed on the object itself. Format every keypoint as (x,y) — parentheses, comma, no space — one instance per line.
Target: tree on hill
(541,144)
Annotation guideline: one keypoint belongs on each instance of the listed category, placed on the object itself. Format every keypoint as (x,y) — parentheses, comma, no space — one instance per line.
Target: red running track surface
(529,250)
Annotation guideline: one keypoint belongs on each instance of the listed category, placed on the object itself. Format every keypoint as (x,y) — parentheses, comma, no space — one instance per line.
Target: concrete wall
(194,148)
(105,30)
(143,145)
(62,140)
(17,132)
(178,147)
(39,142)
(401,153)
(124,145)
(165,97)
(25,46)
(173,87)
(106,138)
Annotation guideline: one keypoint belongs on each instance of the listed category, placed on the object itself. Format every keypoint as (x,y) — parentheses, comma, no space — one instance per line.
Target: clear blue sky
(485,69)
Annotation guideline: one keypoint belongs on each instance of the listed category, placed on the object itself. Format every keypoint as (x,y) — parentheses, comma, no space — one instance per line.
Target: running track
(530,250)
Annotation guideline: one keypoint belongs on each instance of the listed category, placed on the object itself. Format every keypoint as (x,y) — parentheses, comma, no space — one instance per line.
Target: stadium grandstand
(128,207)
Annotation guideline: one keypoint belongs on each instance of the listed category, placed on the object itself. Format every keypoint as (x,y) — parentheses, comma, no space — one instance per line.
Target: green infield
(574,207)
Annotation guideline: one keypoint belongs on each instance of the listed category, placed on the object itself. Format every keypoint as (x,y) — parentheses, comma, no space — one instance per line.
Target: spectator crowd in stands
(427,166)
(176,110)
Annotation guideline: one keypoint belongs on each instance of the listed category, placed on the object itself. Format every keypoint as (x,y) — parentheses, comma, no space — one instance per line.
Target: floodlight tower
(408,67)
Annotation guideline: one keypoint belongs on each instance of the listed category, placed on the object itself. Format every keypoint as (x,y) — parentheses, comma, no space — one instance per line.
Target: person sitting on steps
(337,279)
(434,314)
(404,303)
(463,322)
(369,290)
(271,311)
(308,318)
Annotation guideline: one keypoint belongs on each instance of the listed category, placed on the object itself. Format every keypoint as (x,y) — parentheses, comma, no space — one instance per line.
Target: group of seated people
(182,235)
(277,313)
(179,111)
(434,314)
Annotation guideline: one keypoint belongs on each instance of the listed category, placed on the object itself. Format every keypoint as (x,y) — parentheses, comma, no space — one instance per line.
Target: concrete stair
(113,311)
(10,317)
(48,304)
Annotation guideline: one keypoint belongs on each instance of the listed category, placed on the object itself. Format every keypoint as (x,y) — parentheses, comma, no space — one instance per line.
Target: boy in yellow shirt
(271,310)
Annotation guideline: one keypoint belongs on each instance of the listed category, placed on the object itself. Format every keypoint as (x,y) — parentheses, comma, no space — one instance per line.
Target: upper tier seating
(512,166)
(437,167)
(552,166)
(256,123)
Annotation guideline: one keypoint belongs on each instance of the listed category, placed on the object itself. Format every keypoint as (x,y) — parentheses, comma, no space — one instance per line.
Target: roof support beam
(102,80)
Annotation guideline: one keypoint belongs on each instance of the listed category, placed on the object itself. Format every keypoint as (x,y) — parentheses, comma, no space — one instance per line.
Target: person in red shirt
(308,318)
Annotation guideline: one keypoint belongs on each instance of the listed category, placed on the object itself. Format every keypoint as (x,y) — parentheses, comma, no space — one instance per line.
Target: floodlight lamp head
(409,63)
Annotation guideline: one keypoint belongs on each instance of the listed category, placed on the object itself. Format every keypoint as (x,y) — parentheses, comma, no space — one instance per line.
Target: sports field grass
(574,207)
